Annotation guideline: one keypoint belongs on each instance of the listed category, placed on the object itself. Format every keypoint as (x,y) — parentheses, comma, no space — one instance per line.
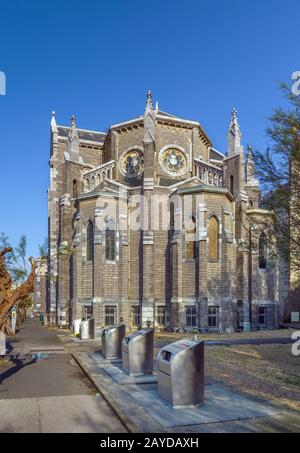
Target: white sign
(14,319)
(2,344)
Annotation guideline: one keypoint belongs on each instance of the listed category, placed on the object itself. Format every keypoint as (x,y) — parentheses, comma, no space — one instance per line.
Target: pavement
(142,410)
(72,389)
(51,394)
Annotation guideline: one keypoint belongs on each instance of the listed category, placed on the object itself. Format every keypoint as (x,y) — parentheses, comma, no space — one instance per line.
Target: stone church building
(197,258)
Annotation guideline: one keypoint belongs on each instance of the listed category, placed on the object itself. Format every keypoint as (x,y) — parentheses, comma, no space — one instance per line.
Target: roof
(84,134)
(216,155)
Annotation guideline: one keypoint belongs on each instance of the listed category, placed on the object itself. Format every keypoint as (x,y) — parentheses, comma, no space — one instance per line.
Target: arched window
(90,241)
(75,189)
(213,236)
(190,242)
(110,244)
(231,184)
(263,249)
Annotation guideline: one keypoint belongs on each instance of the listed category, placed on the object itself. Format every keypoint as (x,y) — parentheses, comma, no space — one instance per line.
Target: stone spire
(53,123)
(149,104)
(149,144)
(250,168)
(73,140)
(234,135)
(149,120)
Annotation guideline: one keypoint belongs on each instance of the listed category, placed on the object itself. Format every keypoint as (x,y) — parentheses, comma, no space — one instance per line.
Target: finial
(73,119)
(149,105)
(250,166)
(156,107)
(73,140)
(53,122)
(234,134)
(234,116)
(234,125)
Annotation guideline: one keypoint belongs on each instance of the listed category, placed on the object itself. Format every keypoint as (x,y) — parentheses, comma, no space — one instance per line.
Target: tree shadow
(18,365)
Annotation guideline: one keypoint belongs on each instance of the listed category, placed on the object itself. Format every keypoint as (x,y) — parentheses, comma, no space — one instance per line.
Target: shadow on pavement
(18,365)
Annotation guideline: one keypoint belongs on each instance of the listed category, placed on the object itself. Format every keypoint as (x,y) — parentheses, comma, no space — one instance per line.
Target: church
(150,225)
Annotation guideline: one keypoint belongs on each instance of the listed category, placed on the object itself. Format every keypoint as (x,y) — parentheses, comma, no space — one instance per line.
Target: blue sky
(97,59)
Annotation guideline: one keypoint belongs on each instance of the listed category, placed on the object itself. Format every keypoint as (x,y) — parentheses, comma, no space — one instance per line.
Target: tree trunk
(8,328)
(8,296)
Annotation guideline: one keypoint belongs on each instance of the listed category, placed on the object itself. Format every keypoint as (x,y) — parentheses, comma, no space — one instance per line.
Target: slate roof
(92,136)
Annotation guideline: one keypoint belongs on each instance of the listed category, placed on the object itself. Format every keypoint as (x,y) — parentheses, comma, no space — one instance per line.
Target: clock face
(173,161)
(133,163)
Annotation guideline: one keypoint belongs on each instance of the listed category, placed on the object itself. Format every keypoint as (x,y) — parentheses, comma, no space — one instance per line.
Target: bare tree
(10,296)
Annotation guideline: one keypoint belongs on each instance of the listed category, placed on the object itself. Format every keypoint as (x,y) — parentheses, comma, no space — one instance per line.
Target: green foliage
(278,169)
(16,261)
(43,249)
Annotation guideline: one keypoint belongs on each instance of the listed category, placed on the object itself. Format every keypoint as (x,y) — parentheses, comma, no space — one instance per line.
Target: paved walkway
(51,394)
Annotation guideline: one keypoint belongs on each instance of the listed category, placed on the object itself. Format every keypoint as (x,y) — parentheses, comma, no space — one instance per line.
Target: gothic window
(190,242)
(87,311)
(136,315)
(172,217)
(110,245)
(213,236)
(240,314)
(173,161)
(191,316)
(90,241)
(261,315)
(161,315)
(75,189)
(213,315)
(262,251)
(110,315)
(231,184)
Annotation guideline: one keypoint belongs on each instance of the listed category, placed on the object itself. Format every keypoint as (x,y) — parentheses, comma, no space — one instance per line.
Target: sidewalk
(141,410)
(49,395)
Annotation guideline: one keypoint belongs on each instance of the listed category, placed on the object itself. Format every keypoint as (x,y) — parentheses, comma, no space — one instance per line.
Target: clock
(173,161)
(133,163)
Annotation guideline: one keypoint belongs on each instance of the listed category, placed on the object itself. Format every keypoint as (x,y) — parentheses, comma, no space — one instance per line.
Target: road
(51,394)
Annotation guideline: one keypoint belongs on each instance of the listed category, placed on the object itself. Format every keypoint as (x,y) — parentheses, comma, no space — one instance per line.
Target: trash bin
(112,341)
(86,329)
(180,373)
(137,352)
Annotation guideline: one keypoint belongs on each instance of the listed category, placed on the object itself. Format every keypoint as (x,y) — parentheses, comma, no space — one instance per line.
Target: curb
(125,420)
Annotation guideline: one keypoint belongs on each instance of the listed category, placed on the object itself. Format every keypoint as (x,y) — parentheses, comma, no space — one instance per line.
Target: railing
(94,177)
(209,174)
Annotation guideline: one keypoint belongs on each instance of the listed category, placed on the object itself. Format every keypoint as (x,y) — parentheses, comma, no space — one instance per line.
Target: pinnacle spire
(73,139)
(250,167)
(53,122)
(149,104)
(234,134)
(234,124)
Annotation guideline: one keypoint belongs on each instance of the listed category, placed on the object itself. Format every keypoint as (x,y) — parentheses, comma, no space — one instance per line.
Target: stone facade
(150,225)
(40,287)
